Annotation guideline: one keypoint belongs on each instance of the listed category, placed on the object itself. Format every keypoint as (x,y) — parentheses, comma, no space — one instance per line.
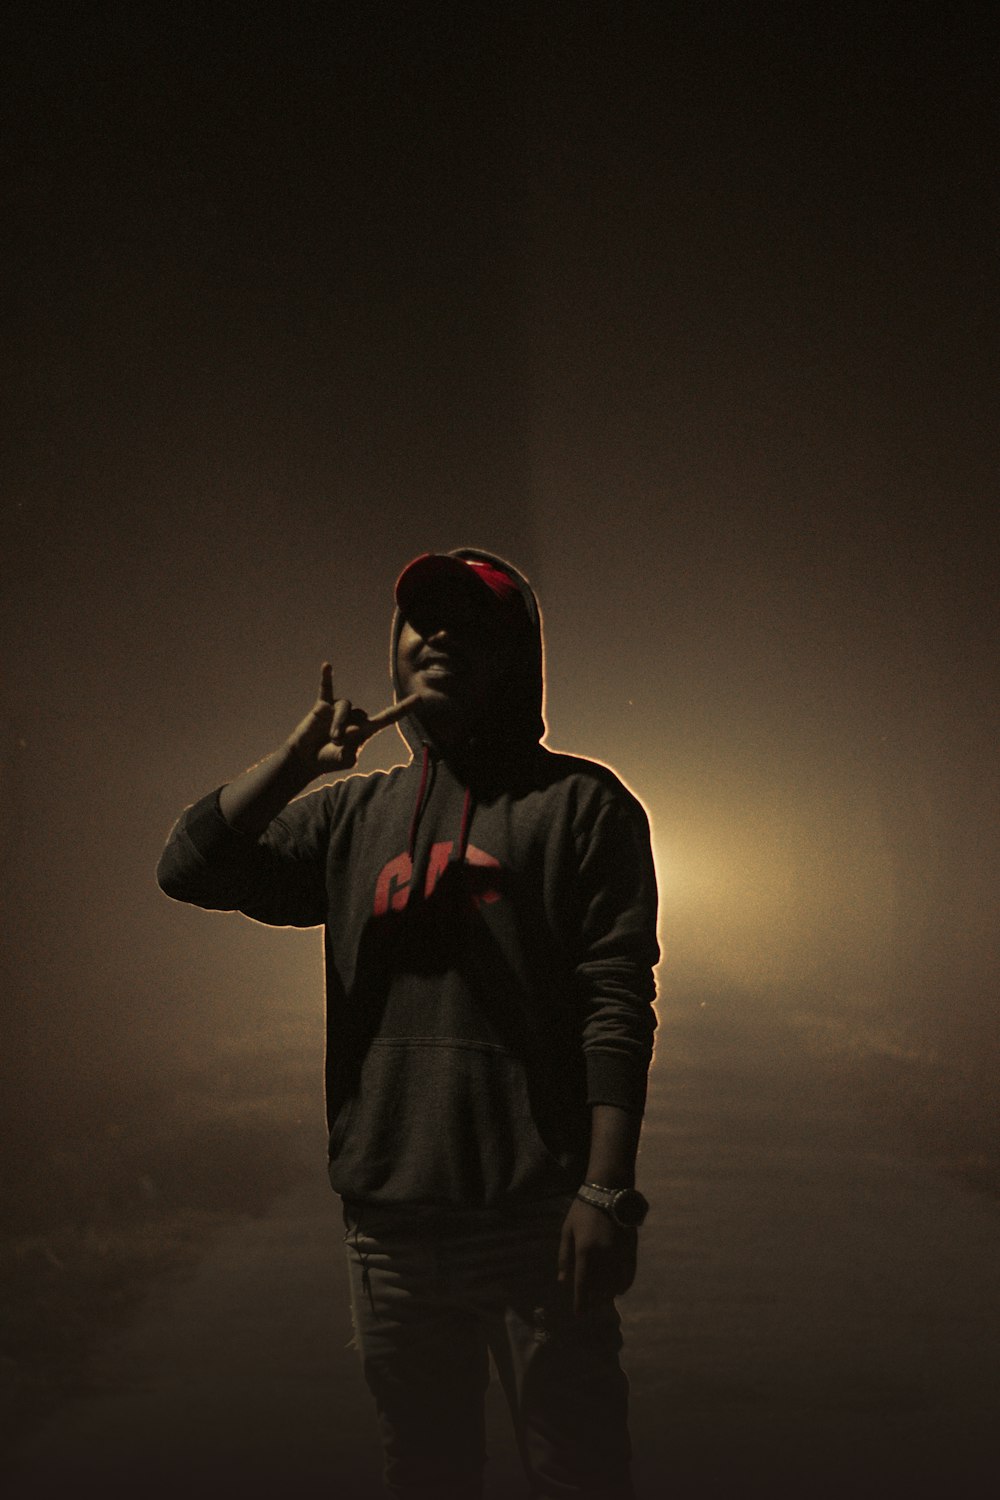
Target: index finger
(390,715)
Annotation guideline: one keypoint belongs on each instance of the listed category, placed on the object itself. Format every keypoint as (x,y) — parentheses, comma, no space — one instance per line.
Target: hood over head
(513,724)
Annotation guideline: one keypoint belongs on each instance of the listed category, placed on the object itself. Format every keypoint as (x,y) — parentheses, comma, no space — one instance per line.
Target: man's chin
(442,714)
(439,694)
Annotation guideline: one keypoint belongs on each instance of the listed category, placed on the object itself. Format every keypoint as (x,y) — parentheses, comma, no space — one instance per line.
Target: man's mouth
(439,666)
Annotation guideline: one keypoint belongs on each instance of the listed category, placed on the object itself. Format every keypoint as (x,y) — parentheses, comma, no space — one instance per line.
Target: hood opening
(514,725)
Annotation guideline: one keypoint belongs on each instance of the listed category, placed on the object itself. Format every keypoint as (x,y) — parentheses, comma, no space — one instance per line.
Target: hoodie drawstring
(463,833)
(412,842)
(468,804)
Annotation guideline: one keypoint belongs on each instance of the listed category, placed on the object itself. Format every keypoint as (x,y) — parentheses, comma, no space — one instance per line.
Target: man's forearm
(614,1142)
(254,799)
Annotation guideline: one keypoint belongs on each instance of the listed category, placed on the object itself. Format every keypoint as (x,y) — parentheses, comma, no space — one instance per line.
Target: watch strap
(606,1199)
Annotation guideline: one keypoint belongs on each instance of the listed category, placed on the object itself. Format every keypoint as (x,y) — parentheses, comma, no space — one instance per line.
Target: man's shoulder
(332,801)
(585,781)
(362,787)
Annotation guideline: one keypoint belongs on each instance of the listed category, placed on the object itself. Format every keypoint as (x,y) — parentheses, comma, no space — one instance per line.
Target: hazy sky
(692,318)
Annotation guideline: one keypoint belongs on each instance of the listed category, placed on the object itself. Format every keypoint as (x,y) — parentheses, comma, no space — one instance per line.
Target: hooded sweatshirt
(490,934)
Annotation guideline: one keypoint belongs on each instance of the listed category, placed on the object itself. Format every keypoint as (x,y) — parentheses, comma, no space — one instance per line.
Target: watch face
(630,1208)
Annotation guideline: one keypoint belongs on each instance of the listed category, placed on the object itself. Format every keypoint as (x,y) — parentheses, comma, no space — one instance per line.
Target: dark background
(688,311)
(690,315)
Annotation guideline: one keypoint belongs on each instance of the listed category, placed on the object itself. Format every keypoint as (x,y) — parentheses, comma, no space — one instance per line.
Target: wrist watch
(627,1207)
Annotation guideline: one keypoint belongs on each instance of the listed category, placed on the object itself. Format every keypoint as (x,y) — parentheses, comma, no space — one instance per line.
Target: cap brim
(433,571)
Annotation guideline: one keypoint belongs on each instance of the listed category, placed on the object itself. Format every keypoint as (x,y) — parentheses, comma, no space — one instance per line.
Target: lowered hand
(597,1259)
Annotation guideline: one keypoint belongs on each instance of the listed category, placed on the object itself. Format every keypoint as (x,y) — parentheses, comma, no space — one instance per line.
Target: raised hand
(333,731)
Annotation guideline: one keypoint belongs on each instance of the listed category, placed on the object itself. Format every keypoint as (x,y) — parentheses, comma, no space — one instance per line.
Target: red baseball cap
(433,569)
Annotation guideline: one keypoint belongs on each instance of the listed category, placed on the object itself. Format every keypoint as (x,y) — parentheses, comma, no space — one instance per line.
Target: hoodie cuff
(614,1078)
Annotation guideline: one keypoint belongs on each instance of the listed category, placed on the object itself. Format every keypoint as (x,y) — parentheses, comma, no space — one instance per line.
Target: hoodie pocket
(441,1121)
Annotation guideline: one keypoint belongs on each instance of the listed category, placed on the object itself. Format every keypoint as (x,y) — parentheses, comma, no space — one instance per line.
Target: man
(490,927)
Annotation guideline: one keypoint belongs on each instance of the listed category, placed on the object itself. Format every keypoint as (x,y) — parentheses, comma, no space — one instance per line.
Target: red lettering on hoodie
(437,864)
(393,886)
(482,889)
(392,889)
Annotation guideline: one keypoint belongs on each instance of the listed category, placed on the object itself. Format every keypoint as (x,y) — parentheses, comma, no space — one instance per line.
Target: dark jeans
(434,1293)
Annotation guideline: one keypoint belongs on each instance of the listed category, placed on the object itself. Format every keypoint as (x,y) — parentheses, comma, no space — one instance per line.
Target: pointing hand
(332,733)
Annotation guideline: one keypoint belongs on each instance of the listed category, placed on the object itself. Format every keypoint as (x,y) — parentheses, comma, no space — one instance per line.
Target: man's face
(453,651)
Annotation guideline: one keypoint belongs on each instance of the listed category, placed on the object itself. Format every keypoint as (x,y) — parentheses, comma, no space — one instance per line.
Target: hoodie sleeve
(278,877)
(618,951)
